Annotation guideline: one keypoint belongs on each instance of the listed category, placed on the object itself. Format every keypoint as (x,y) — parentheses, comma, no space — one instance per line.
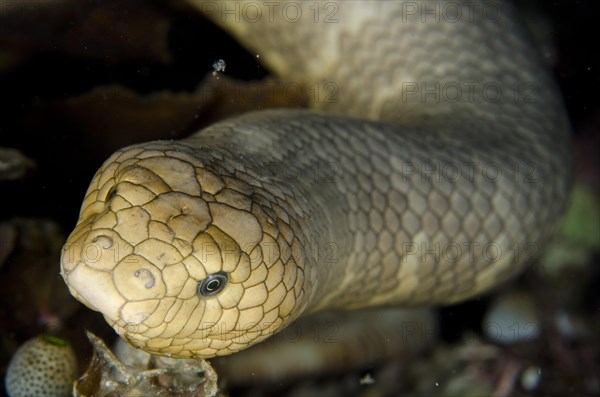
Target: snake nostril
(104,241)
(145,275)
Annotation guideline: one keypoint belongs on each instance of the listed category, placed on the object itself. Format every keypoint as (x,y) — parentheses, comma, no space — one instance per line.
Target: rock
(511,318)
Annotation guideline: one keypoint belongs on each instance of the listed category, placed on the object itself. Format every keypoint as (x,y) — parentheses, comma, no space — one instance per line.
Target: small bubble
(218,66)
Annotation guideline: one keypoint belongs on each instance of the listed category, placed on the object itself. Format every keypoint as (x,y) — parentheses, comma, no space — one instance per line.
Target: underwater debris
(107,375)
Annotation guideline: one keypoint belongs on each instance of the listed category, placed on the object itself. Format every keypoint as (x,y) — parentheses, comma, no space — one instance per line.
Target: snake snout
(93,287)
(87,262)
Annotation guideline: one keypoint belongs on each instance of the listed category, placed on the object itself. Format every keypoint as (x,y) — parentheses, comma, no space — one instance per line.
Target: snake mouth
(94,288)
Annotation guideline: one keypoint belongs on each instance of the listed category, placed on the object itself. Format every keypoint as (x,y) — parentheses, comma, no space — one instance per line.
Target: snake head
(180,260)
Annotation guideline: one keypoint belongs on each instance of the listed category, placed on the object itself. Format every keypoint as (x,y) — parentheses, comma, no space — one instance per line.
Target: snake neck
(300,231)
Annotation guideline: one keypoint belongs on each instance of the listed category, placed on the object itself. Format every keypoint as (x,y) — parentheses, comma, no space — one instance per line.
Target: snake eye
(213,284)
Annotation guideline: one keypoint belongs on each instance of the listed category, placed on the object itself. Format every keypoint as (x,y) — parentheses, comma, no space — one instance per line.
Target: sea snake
(432,165)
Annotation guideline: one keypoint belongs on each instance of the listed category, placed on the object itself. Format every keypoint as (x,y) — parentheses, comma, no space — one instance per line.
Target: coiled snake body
(434,173)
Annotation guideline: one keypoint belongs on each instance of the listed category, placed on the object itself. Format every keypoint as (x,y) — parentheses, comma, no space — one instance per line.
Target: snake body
(436,170)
